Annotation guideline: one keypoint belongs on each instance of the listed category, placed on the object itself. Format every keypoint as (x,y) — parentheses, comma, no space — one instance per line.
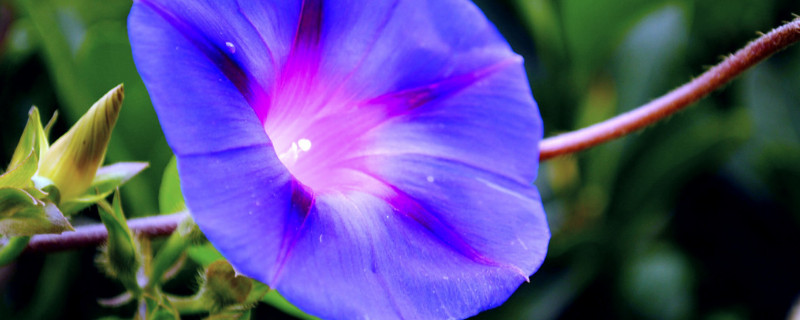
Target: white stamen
(290,156)
(231,47)
(304,144)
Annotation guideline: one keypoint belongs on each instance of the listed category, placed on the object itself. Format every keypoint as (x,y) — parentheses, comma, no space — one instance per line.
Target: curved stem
(93,235)
(571,142)
(676,100)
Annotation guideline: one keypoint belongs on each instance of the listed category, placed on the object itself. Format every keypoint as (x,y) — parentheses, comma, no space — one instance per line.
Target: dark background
(697,217)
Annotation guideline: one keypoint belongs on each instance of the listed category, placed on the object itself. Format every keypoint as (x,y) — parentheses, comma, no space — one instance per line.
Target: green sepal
(23,214)
(107,179)
(20,175)
(171,252)
(50,125)
(74,158)
(120,257)
(157,307)
(113,176)
(77,204)
(33,139)
(12,248)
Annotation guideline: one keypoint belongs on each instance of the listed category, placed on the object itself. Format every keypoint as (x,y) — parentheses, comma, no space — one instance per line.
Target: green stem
(676,100)
(188,305)
(170,252)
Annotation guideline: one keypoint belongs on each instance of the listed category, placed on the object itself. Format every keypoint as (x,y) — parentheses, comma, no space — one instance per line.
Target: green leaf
(677,149)
(543,21)
(650,55)
(655,44)
(204,254)
(22,214)
(658,283)
(170,197)
(592,28)
(275,299)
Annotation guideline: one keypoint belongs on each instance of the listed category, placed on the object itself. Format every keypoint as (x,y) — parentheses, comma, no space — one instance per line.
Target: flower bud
(72,161)
(223,288)
(120,257)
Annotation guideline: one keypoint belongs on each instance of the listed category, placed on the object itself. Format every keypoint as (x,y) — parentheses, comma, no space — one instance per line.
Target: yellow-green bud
(72,161)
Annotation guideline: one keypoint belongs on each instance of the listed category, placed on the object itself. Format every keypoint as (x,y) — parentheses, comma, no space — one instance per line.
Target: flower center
(290,156)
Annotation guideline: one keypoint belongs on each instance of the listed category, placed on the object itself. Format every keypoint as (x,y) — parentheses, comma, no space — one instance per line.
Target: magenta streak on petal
(310,101)
(304,110)
(260,37)
(235,73)
(335,137)
(309,26)
(374,267)
(298,73)
(410,99)
(405,205)
(262,103)
(385,284)
(302,202)
(306,200)
(379,31)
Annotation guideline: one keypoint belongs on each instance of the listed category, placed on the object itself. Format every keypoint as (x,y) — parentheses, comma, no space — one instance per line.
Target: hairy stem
(621,125)
(676,100)
(93,235)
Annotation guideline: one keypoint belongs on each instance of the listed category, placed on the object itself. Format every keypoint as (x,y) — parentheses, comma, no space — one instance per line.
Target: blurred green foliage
(697,217)
(76,50)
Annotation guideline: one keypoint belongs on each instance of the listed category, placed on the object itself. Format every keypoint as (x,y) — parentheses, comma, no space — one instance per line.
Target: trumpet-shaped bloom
(367,159)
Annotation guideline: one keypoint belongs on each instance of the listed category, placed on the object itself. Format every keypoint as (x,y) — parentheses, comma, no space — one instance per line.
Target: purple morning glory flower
(367,159)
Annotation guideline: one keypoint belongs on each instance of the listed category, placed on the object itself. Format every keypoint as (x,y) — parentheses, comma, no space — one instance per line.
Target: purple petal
(379,262)
(365,158)
(246,204)
(190,51)
(476,119)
